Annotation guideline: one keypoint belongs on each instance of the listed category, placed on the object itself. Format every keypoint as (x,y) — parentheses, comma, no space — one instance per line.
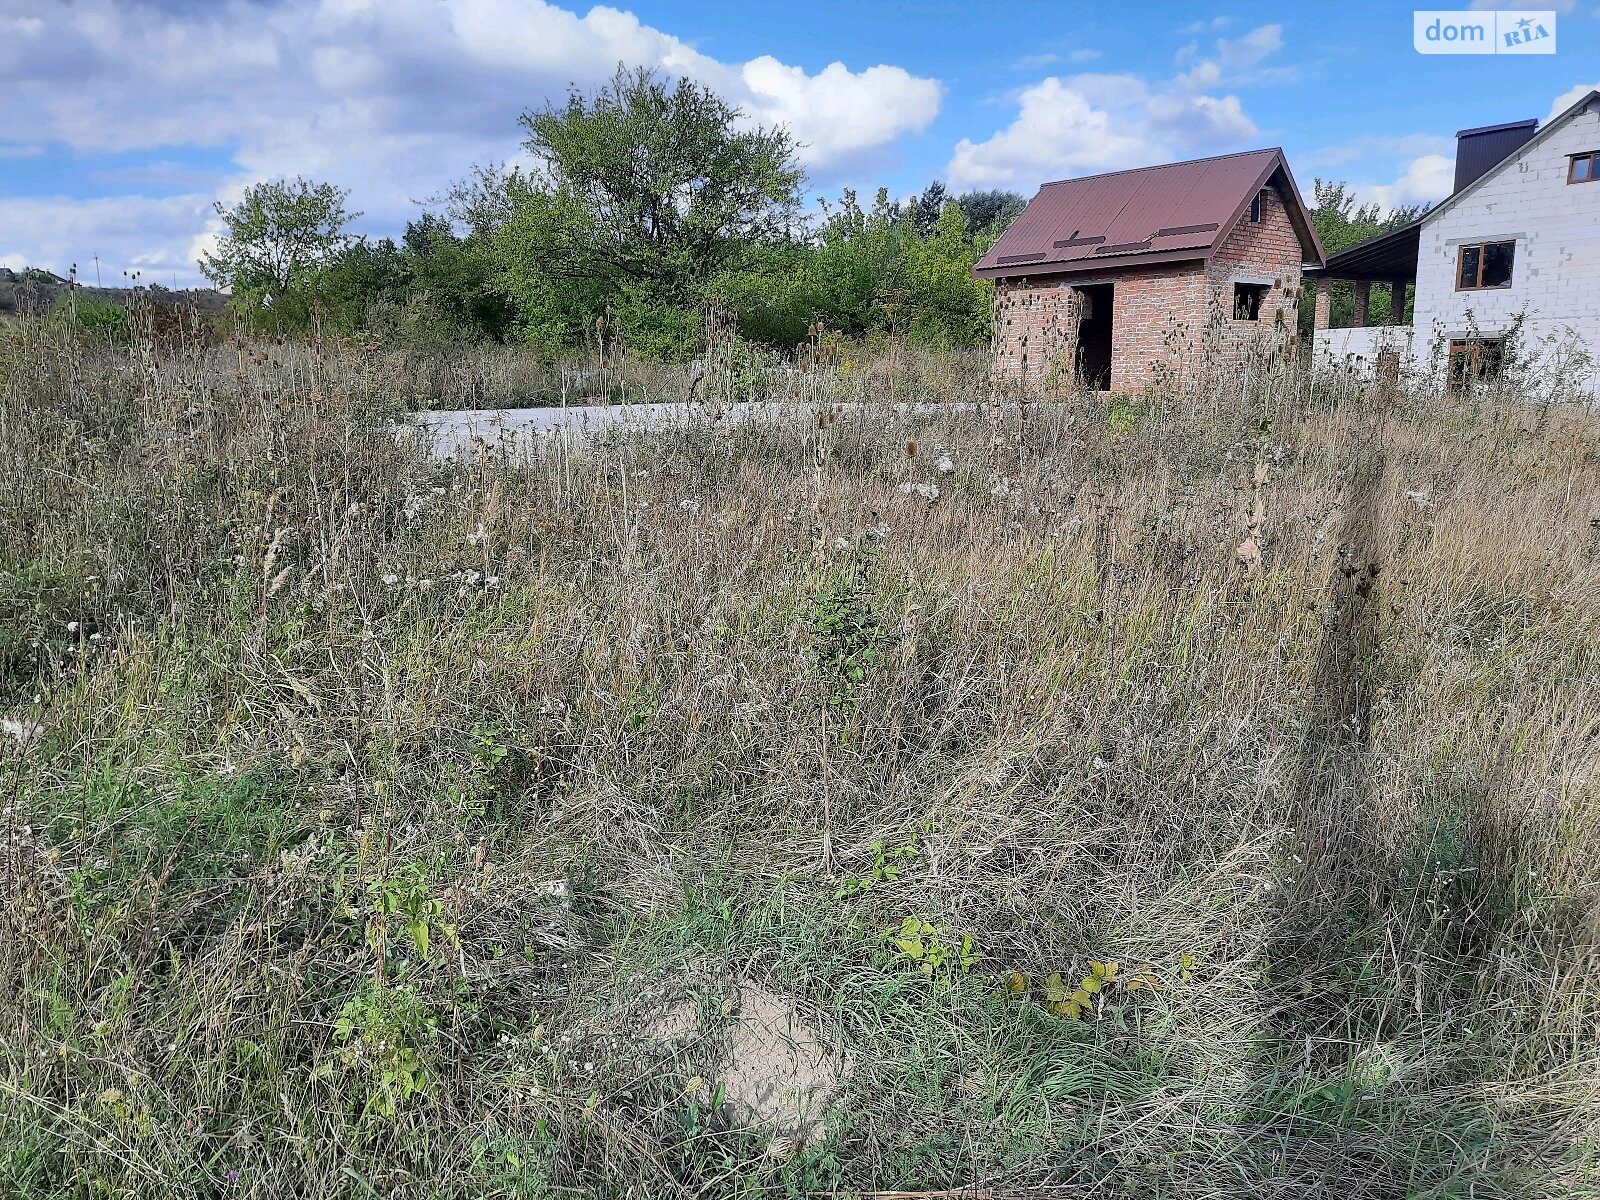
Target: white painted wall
(1555,280)
(1357,348)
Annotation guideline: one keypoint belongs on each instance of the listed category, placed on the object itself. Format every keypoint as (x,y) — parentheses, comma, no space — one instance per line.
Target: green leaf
(1055,988)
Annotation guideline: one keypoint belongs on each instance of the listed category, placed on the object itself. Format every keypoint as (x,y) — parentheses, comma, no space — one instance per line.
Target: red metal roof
(1169,213)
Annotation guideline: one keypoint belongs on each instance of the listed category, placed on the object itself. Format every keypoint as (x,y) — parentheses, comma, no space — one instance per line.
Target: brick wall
(1268,250)
(1165,319)
(1035,326)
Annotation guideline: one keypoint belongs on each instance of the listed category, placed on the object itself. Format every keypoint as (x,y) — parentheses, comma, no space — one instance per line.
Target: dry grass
(619,724)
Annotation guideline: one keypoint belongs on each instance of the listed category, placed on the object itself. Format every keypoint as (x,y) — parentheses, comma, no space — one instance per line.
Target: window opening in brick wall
(1584,168)
(1247,300)
(1485,265)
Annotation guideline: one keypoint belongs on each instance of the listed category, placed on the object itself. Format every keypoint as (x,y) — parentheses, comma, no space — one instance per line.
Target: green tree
(927,208)
(276,240)
(644,193)
(364,274)
(456,277)
(1341,222)
(947,305)
(989,212)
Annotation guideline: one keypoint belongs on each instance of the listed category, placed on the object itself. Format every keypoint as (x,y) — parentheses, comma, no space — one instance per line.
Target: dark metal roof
(1391,255)
(1488,145)
(1169,213)
(1530,123)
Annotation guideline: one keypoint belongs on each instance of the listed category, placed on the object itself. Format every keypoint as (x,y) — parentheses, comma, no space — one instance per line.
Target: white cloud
(1032,62)
(1246,51)
(1427,179)
(1214,23)
(1081,124)
(1570,97)
(391,98)
(129,233)
(840,114)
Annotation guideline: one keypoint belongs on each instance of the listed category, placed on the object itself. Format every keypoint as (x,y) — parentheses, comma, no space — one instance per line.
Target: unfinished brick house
(1121,277)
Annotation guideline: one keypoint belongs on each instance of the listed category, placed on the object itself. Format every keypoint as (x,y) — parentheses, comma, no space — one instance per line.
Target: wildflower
(928,491)
(841,543)
(491,581)
(1420,499)
(478,536)
(390,579)
(944,466)
(72,627)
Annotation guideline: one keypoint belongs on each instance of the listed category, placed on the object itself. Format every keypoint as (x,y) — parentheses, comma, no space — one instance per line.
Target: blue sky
(122,120)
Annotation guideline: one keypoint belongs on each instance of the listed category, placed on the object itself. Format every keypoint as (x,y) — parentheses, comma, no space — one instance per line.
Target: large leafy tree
(276,240)
(641,194)
(989,212)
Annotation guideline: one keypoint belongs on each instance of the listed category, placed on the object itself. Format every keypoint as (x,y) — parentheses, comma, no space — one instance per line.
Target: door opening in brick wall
(1093,359)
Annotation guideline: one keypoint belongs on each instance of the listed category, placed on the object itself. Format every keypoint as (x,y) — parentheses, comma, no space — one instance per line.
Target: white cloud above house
(1426,179)
(391,98)
(1079,124)
(1568,98)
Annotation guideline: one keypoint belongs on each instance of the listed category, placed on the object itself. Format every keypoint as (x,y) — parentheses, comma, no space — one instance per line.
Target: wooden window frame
(1473,350)
(1481,247)
(1592,157)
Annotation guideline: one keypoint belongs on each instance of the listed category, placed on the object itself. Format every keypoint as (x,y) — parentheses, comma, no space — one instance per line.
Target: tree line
(649,203)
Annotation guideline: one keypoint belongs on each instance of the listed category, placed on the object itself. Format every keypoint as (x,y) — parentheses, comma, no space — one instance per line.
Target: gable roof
(1550,127)
(1170,213)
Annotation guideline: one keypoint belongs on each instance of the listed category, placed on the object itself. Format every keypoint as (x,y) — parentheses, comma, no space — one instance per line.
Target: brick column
(1363,302)
(1324,303)
(1397,302)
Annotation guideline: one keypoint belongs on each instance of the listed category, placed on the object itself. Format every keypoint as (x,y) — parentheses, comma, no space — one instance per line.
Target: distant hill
(34,290)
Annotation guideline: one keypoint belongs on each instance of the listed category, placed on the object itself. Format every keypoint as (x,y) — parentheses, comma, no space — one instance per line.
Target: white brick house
(1516,246)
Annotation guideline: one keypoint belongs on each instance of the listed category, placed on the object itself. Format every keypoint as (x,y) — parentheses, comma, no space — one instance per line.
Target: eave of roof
(1501,128)
(1389,255)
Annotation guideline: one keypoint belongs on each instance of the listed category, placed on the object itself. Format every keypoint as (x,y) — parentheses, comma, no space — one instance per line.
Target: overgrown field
(1192,797)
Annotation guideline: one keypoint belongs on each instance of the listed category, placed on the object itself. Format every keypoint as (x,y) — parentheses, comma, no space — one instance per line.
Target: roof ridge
(1187,162)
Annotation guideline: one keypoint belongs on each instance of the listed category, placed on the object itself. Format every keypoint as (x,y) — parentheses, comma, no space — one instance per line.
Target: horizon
(127,121)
